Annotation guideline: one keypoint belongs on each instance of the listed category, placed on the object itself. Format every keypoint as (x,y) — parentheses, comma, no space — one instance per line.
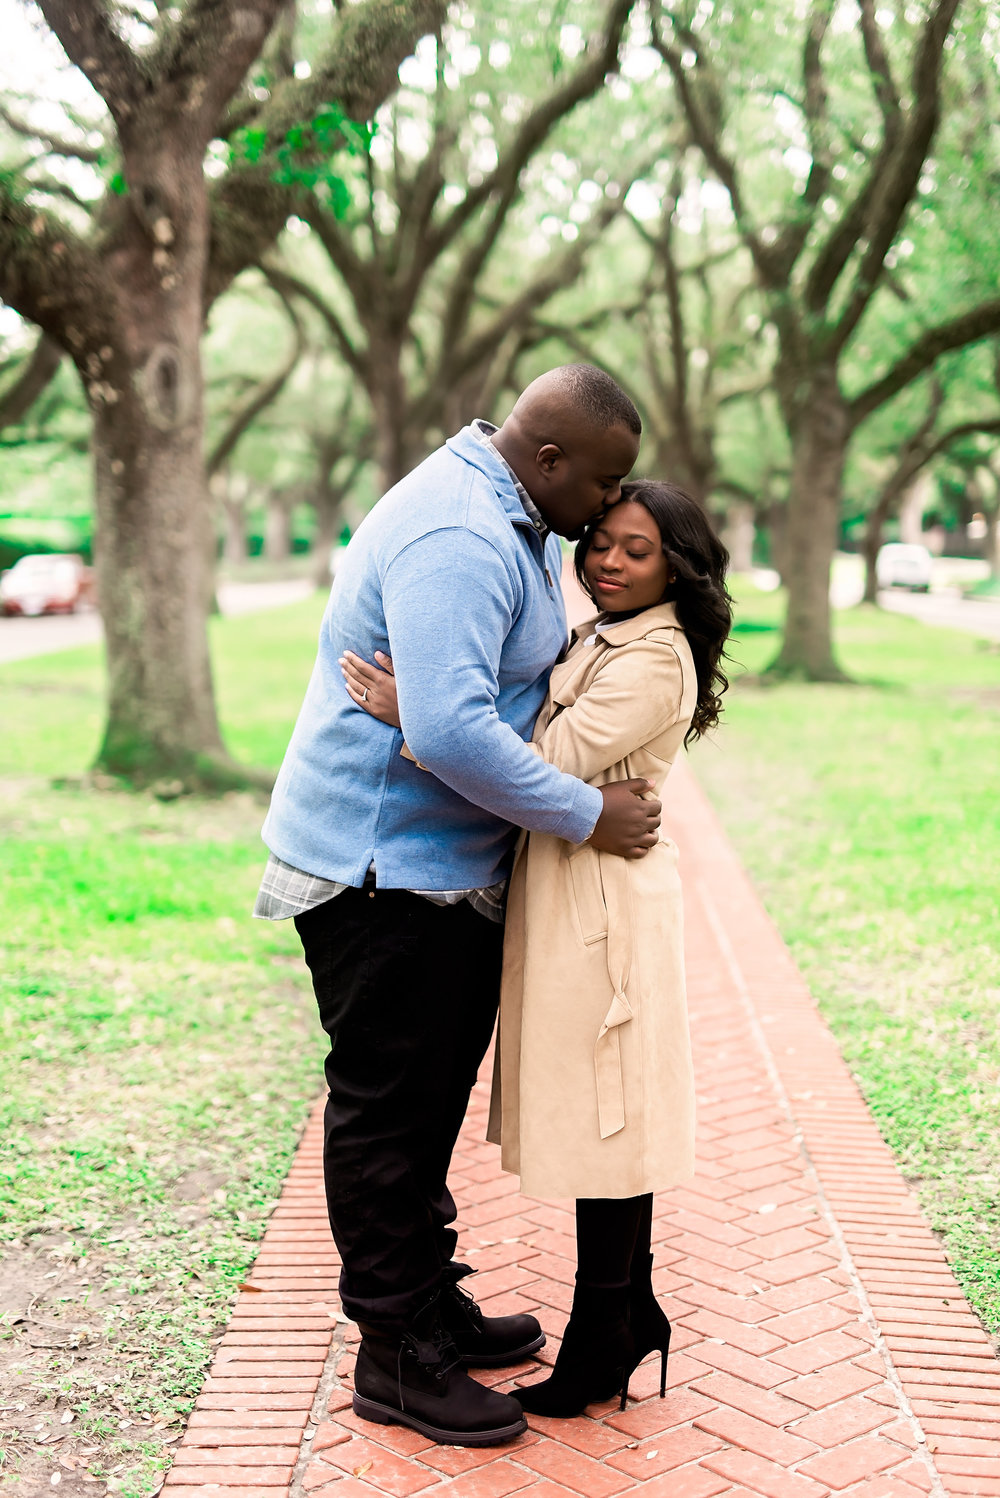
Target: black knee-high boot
(648,1323)
(597,1353)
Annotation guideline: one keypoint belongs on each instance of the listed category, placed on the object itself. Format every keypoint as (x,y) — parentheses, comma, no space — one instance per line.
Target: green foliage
(308,155)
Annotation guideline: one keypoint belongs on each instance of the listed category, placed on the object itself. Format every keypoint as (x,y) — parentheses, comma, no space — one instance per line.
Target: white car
(43,583)
(902,565)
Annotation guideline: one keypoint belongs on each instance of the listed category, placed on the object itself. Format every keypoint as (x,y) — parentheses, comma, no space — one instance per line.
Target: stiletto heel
(647,1322)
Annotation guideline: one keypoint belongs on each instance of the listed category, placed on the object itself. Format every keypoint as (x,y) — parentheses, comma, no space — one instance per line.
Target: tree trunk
(991,541)
(326,503)
(819,446)
(777,530)
(278,528)
(390,409)
(155,535)
(153,543)
(738,535)
(234,546)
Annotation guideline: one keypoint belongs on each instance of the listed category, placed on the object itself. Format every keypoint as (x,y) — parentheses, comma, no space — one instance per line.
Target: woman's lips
(609,583)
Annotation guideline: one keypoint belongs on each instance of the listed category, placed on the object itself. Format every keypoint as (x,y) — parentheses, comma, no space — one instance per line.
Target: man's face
(573,484)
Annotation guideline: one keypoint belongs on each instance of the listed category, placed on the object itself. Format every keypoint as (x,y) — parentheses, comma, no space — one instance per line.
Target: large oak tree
(824,175)
(126,297)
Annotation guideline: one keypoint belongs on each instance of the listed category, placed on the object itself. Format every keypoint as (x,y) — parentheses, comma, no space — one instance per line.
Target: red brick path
(821,1345)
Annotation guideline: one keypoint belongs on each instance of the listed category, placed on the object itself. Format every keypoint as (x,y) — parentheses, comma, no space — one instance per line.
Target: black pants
(407,993)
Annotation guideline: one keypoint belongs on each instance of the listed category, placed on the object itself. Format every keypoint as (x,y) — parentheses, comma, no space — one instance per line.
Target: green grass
(869,816)
(158,1049)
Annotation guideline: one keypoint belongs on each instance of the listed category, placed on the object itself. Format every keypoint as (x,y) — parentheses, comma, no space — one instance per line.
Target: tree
(822,213)
(924,443)
(456,240)
(124,291)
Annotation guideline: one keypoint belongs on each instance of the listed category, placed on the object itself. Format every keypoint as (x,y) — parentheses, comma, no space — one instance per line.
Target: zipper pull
(548,577)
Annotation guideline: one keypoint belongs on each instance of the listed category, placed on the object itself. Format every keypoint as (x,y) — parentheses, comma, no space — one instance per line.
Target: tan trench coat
(593,1091)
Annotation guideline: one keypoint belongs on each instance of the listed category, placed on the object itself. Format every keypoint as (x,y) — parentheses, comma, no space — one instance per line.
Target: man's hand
(627,825)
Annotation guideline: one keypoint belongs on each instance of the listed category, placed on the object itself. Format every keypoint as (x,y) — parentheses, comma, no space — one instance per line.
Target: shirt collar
(484,432)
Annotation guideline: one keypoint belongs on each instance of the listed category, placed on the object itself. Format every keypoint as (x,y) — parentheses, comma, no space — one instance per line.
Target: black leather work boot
(484,1341)
(416,1379)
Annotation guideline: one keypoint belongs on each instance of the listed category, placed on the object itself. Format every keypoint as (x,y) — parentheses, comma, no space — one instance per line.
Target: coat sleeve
(450,603)
(635,695)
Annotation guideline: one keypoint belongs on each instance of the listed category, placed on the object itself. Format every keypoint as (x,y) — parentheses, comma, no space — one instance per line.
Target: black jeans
(408,994)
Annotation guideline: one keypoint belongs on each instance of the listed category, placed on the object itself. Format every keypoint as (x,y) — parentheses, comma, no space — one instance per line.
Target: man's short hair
(600,397)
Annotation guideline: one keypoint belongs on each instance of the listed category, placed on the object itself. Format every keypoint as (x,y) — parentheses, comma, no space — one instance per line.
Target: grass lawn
(158,1054)
(869,817)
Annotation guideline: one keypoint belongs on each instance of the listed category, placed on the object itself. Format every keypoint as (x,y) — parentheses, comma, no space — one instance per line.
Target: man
(395,876)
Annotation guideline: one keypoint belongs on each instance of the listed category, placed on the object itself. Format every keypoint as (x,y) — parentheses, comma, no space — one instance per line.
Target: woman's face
(625,566)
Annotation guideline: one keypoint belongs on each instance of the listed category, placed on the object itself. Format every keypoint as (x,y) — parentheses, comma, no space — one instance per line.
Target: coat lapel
(571,676)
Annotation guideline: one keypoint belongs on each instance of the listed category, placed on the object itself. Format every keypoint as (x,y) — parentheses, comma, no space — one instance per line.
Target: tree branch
(55,145)
(893,188)
(249,208)
(203,57)
(287,286)
(502,181)
(877,59)
(456,359)
(792,238)
(264,394)
(957,332)
(89,40)
(51,276)
(37,373)
(701,101)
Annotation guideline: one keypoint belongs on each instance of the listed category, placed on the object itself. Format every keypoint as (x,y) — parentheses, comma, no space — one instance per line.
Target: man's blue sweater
(448,575)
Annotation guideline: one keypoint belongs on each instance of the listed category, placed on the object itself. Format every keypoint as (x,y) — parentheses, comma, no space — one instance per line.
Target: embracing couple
(443,716)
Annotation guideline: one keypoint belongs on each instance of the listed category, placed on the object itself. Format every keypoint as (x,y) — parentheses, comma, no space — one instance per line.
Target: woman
(593,1094)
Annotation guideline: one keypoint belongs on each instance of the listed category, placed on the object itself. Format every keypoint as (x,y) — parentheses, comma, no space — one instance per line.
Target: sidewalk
(821,1345)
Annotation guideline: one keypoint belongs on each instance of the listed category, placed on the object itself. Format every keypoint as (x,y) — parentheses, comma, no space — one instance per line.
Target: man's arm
(449,603)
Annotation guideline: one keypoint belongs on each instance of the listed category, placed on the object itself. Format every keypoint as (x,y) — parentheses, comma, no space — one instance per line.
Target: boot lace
(436,1354)
(460,1298)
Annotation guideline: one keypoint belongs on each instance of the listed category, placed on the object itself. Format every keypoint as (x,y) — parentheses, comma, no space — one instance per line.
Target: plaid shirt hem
(286,891)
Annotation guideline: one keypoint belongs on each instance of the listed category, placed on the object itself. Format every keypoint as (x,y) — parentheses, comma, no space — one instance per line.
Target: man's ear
(548,457)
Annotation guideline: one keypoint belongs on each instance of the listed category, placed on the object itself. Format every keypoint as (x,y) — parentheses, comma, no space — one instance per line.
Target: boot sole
(386,1414)
(502,1359)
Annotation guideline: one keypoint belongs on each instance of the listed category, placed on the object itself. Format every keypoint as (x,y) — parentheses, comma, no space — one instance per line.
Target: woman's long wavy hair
(698,560)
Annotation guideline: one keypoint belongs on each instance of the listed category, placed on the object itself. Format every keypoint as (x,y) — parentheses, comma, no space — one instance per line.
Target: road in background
(22,638)
(976,616)
(944,605)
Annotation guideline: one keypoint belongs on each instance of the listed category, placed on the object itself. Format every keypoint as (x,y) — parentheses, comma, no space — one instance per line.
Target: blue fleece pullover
(448,575)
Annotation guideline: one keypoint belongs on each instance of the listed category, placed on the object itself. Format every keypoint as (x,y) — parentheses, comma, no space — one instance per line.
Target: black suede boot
(415,1379)
(595,1359)
(647,1321)
(484,1341)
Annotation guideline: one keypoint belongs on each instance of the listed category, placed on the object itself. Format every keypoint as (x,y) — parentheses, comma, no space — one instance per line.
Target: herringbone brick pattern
(821,1346)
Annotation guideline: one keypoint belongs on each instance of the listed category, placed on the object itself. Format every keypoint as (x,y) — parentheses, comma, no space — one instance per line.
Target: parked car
(902,565)
(56,583)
